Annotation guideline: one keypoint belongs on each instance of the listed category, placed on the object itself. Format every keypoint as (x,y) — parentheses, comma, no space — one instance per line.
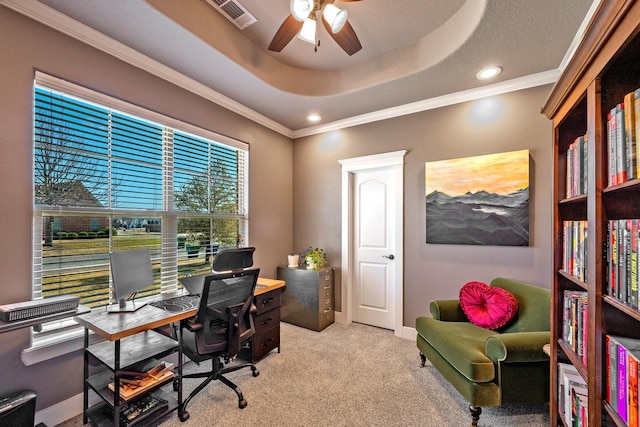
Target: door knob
(388,256)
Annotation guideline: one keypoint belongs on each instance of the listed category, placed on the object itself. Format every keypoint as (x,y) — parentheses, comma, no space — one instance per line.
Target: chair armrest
(193,326)
(517,347)
(447,310)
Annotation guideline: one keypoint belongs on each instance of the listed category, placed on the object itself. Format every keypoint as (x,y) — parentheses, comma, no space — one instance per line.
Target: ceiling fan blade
(287,31)
(346,37)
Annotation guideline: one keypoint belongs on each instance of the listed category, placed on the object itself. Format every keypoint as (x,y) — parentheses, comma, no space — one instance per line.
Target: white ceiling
(417,54)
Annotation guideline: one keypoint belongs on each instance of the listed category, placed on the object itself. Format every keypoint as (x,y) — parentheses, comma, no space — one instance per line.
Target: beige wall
(504,123)
(26,46)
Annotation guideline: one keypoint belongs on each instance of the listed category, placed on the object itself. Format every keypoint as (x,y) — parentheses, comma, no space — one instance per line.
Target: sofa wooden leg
(475,415)
(423,360)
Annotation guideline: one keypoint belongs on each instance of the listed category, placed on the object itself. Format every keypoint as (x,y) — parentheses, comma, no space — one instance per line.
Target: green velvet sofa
(491,368)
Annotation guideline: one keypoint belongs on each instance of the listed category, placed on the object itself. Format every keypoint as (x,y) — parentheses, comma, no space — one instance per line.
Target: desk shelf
(100,381)
(133,349)
(138,352)
(101,415)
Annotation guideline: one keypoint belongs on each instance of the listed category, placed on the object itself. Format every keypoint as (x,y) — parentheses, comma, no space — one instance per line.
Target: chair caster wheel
(176,385)
(184,416)
(242,404)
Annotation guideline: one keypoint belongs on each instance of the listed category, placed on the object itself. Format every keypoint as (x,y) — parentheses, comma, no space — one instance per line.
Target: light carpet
(353,375)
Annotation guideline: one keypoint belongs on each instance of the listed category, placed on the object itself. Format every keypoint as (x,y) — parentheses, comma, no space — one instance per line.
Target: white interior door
(372,227)
(374,265)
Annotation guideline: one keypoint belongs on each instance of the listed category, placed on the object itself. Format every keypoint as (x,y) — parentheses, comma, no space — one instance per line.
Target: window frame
(168,215)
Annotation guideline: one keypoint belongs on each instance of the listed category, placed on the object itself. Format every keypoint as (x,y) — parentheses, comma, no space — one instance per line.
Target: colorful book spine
(622,359)
(622,383)
(636,126)
(630,134)
(622,260)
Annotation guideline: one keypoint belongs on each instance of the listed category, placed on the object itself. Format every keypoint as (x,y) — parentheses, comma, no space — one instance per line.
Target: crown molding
(68,26)
(60,22)
(533,80)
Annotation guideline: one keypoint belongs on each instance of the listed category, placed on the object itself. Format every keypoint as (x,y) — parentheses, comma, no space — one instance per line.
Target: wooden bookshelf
(604,68)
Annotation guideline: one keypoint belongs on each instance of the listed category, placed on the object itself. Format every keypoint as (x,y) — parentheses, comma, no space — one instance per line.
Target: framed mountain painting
(482,200)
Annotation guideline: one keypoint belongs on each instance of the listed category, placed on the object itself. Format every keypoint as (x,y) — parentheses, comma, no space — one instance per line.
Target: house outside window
(109,176)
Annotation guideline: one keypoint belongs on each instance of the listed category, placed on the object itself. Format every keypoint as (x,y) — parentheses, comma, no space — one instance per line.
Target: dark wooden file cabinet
(308,298)
(267,324)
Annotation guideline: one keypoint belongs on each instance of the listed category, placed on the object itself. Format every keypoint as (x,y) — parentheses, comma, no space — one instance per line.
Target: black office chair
(224,321)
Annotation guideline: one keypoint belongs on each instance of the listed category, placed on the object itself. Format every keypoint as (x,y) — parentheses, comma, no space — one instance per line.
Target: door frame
(395,161)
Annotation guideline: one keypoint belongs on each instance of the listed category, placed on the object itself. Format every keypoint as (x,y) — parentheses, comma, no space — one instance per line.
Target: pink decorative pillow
(487,307)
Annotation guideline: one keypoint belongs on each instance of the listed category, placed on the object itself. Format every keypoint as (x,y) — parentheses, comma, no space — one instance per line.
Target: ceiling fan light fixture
(300,9)
(335,17)
(308,31)
(314,118)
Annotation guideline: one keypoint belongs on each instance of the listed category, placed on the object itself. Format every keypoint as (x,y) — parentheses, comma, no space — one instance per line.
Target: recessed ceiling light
(314,117)
(489,72)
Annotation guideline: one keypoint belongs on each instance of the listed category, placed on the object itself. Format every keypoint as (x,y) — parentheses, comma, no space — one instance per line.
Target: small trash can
(18,409)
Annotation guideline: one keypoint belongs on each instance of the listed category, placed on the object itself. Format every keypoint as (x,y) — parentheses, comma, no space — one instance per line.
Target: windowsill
(59,345)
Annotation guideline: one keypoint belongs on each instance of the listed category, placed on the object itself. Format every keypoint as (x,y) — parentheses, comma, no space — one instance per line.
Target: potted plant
(294,259)
(315,258)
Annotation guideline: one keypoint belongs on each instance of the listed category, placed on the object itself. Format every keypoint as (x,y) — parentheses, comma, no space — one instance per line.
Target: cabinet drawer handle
(268,300)
(327,278)
(266,342)
(326,310)
(328,287)
(264,322)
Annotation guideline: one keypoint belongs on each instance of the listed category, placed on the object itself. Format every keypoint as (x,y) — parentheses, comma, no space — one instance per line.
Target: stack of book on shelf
(577,167)
(572,396)
(622,359)
(575,321)
(622,260)
(574,243)
(622,127)
(134,383)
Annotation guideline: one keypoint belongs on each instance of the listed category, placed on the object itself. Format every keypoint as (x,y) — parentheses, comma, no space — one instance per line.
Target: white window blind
(110,176)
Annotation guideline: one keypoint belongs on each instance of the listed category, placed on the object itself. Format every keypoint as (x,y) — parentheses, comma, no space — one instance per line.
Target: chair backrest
(234,259)
(225,311)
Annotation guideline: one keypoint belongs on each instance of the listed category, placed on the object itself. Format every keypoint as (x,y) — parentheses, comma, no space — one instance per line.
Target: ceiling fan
(302,21)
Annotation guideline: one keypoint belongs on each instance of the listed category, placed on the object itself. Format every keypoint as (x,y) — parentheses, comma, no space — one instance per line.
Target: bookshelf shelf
(598,83)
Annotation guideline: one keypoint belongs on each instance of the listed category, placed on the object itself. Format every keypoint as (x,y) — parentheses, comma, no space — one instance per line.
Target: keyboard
(178,304)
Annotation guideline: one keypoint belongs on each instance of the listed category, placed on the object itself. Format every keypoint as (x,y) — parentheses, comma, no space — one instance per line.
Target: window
(109,176)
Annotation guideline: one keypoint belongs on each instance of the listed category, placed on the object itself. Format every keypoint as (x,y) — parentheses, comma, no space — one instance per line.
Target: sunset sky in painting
(501,173)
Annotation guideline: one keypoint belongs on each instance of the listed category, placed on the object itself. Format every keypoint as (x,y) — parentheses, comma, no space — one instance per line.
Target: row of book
(623,355)
(572,396)
(623,124)
(575,322)
(577,167)
(622,260)
(574,242)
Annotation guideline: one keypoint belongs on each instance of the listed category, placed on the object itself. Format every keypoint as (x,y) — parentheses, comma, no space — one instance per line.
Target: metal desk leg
(85,402)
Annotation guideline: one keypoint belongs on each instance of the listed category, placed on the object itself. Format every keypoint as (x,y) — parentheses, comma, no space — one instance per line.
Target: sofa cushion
(462,344)
(487,307)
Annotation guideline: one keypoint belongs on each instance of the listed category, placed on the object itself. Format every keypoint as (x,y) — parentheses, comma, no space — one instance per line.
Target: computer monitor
(131,272)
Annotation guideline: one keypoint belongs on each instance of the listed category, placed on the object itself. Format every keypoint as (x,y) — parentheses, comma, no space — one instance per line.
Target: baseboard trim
(60,412)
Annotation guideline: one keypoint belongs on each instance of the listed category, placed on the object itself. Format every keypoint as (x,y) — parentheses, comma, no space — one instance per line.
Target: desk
(134,333)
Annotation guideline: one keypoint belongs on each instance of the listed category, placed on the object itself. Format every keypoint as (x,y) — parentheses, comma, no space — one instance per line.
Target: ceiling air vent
(234,12)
